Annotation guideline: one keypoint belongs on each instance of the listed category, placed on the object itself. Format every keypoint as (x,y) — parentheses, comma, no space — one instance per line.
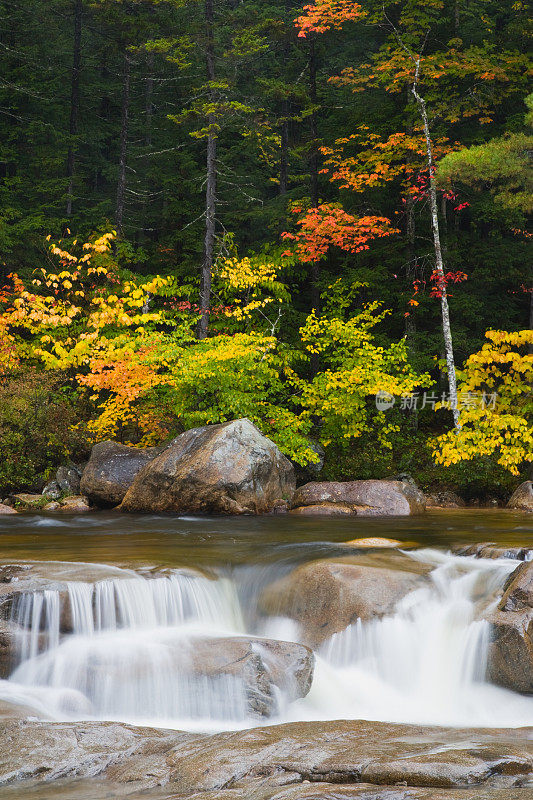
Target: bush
(37,416)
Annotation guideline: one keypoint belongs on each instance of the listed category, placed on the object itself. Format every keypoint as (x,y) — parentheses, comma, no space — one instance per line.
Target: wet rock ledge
(311,760)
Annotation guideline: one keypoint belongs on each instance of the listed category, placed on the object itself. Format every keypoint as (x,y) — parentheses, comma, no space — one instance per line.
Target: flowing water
(121,647)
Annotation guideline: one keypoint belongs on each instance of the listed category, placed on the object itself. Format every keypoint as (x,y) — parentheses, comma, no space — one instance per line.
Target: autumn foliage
(499,421)
(328,226)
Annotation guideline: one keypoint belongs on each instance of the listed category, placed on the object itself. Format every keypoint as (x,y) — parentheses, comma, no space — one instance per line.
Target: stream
(166,581)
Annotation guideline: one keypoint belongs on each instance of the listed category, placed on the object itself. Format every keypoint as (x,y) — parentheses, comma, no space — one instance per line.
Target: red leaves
(441,280)
(329,225)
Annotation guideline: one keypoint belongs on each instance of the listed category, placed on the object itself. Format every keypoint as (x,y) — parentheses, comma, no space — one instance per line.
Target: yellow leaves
(505,429)
(246,274)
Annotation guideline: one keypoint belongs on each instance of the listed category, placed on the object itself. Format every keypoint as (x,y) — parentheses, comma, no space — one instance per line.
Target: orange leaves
(329,225)
(378,160)
(325,15)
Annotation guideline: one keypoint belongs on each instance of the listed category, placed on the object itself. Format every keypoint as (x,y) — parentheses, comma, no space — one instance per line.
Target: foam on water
(124,657)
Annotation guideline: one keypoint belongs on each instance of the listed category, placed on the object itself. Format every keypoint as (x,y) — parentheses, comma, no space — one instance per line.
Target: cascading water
(121,649)
(427,662)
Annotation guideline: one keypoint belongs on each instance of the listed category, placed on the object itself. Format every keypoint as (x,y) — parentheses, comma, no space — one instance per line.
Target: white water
(128,653)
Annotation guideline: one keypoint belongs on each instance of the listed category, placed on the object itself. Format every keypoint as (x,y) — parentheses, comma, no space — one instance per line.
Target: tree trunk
(148,117)
(148,99)
(284,143)
(121,183)
(284,149)
(74,102)
(211,181)
(439,263)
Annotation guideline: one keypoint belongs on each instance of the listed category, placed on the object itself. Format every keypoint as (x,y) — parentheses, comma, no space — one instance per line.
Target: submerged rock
(218,469)
(510,657)
(111,470)
(376,542)
(326,596)
(522,498)
(325,509)
(364,498)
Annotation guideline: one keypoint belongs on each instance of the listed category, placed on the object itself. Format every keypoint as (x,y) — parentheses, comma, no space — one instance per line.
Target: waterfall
(132,603)
(426,663)
(122,648)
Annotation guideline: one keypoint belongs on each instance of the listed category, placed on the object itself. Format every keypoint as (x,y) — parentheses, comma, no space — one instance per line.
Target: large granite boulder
(217,469)
(510,658)
(5,509)
(522,498)
(266,667)
(326,596)
(364,498)
(110,471)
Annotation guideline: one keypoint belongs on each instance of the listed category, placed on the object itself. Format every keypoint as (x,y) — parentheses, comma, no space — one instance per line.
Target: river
(177,579)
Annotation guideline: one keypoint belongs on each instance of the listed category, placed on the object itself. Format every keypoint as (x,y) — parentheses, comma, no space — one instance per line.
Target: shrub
(37,419)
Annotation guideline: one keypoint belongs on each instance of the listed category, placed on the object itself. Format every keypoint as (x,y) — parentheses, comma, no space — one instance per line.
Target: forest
(312,216)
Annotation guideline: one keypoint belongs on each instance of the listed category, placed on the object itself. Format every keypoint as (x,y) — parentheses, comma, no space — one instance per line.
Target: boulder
(444,499)
(365,498)
(218,469)
(68,479)
(261,673)
(8,647)
(522,498)
(28,500)
(492,550)
(6,509)
(510,657)
(52,491)
(75,504)
(326,596)
(265,667)
(110,471)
